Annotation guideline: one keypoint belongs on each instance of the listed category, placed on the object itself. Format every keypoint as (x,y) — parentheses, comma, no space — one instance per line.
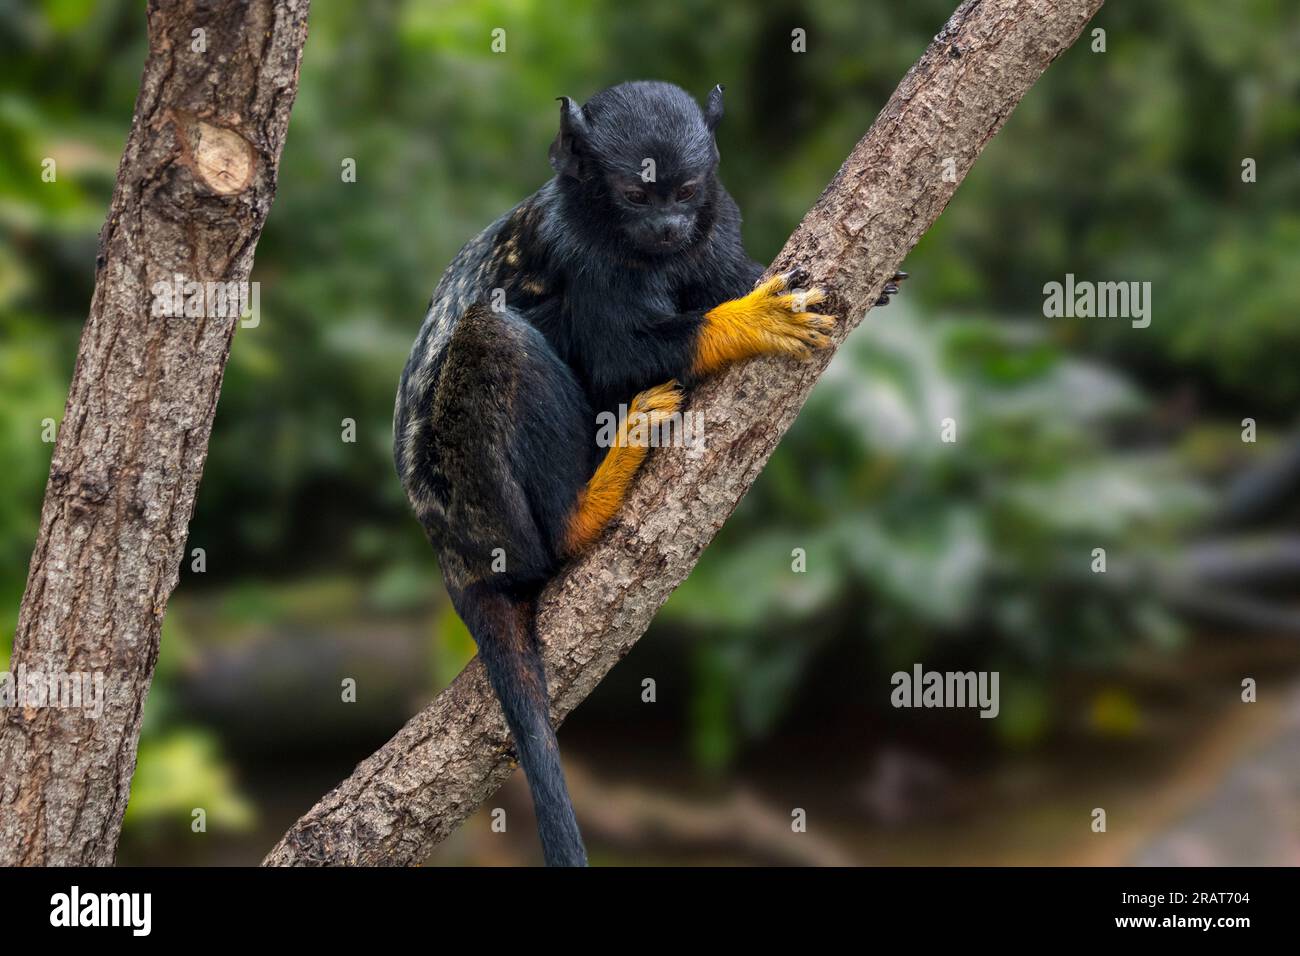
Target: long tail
(503,627)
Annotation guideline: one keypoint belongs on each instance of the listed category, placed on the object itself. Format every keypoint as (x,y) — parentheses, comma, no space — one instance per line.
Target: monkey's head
(640,159)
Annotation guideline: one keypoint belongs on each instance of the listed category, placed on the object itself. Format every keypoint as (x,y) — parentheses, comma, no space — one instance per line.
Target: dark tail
(503,627)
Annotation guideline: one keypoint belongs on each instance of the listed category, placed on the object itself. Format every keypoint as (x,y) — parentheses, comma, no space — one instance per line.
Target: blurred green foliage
(1119,165)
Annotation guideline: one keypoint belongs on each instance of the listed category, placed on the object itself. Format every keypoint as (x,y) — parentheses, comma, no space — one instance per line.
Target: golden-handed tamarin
(621,281)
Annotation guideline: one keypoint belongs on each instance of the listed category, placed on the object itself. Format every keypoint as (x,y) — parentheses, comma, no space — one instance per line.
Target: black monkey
(621,277)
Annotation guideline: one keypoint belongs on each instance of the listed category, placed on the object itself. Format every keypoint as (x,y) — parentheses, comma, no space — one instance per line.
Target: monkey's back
(490,427)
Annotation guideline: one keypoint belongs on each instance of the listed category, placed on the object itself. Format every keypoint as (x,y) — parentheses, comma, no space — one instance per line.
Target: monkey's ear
(565,151)
(713,108)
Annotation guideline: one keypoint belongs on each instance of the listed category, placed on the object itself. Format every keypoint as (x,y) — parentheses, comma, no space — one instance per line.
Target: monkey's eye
(685,192)
(637,197)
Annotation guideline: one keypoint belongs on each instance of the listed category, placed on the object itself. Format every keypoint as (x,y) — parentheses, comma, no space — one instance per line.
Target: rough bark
(448,759)
(193,189)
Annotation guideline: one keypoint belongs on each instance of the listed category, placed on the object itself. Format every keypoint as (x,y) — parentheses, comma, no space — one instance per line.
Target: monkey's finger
(796,277)
(770,287)
(667,397)
(899,276)
(782,281)
(799,301)
(667,400)
(822,323)
(807,334)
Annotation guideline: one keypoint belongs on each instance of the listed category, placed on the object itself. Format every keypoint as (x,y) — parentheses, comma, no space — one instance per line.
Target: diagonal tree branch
(193,190)
(448,759)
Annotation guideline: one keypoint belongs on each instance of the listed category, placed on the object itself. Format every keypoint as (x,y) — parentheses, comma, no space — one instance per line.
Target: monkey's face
(659,216)
(640,158)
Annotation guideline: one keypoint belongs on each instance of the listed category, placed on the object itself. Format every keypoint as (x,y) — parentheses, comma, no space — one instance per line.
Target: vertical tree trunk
(193,189)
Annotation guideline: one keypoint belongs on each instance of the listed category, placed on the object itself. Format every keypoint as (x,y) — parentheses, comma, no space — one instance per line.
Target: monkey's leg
(771,320)
(600,500)
(499,447)
(497,444)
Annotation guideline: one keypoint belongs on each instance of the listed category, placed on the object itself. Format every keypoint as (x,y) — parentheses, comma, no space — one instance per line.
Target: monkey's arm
(768,320)
(656,347)
(603,494)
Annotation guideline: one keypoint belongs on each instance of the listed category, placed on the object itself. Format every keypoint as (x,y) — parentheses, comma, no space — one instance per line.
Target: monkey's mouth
(657,239)
(662,245)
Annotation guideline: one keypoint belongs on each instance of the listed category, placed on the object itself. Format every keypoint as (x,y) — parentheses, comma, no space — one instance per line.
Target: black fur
(567,306)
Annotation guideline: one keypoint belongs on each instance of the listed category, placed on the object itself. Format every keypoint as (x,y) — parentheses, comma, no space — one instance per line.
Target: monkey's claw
(891,288)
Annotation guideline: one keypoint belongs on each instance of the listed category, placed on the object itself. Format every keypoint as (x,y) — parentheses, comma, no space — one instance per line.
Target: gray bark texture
(193,190)
(449,758)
